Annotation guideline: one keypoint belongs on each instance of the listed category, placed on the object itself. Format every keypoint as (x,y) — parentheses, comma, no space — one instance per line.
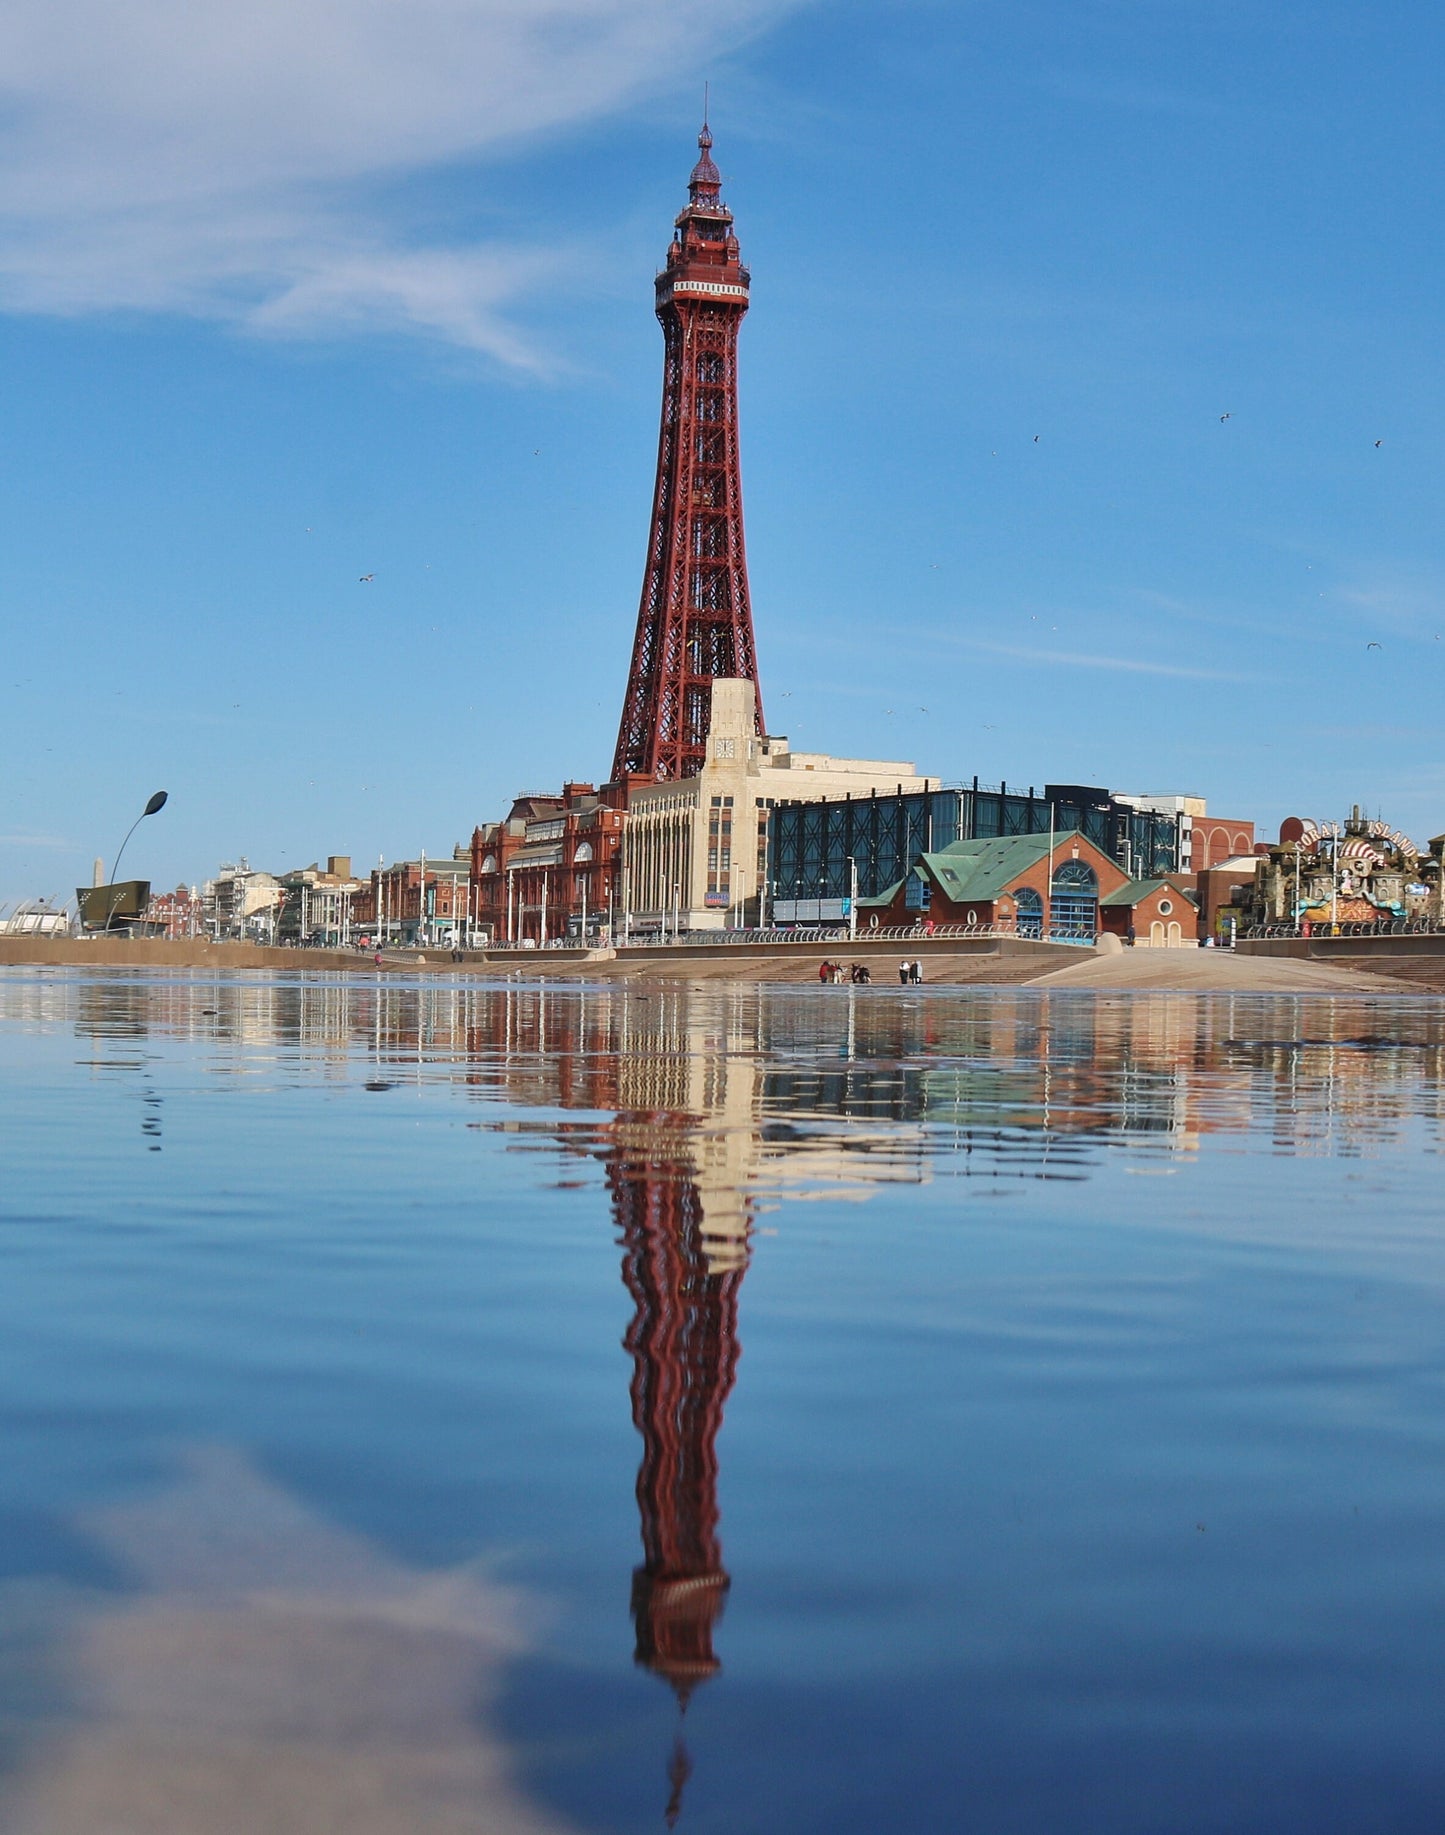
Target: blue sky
(354,288)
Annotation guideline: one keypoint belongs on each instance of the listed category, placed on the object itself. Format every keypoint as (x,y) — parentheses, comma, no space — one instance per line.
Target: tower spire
(695,622)
(705,185)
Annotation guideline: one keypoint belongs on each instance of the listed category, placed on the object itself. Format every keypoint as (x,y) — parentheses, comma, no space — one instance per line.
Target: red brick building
(1065,889)
(176,914)
(1159,912)
(1217,887)
(1217,839)
(417,901)
(552,868)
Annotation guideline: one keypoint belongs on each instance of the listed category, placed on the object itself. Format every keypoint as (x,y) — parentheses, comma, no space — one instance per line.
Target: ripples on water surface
(378,1451)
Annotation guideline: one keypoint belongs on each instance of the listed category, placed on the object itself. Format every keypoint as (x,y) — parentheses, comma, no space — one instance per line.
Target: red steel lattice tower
(695,622)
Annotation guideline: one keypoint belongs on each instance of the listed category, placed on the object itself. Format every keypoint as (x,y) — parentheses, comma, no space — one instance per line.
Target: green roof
(1135,891)
(882,898)
(982,869)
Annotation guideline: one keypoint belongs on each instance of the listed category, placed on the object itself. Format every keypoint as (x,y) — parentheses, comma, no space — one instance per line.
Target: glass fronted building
(814,848)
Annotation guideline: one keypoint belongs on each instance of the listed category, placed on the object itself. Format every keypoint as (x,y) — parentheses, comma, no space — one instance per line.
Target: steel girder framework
(694,622)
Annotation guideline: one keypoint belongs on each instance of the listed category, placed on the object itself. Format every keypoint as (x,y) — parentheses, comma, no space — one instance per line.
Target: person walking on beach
(915,973)
(825,970)
(905,971)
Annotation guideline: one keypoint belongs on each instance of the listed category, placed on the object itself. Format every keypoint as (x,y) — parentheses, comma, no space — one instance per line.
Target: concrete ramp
(1202,971)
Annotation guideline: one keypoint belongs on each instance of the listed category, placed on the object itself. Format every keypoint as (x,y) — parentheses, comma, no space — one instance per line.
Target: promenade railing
(801,938)
(1385,927)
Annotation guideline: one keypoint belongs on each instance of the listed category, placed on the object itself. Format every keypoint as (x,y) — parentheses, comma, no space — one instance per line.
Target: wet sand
(1012,965)
(1141,970)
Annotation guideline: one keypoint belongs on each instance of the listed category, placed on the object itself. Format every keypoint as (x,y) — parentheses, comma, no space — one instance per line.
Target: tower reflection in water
(683,1274)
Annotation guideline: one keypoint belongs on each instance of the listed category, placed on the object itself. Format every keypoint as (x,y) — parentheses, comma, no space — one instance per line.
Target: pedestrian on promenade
(825,972)
(915,973)
(905,971)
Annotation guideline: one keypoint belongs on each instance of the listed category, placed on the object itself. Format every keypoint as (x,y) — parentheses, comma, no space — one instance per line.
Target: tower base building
(696,849)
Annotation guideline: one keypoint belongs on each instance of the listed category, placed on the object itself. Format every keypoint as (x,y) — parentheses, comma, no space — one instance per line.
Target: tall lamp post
(156,803)
(153,807)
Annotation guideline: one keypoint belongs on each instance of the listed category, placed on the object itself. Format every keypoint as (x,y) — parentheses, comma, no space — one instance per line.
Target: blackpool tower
(695,622)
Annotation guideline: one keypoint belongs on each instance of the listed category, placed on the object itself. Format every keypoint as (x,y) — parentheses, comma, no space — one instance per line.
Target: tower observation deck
(695,622)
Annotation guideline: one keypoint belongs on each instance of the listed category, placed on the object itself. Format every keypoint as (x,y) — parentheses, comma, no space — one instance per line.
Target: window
(1165,907)
(583,854)
(719,851)
(1074,903)
(1031,912)
(489,864)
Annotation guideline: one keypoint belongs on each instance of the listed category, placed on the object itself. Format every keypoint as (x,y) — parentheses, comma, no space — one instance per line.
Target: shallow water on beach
(526,1409)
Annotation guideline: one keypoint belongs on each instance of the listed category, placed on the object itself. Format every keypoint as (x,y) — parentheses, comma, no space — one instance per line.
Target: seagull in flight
(1373,646)
(1379,443)
(1226,417)
(367,576)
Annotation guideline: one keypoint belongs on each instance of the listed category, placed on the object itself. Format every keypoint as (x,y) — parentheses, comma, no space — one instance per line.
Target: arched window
(1074,903)
(583,854)
(1031,912)
(489,865)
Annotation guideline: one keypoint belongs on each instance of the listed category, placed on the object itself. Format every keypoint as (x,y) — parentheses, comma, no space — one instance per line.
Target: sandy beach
(1011,965)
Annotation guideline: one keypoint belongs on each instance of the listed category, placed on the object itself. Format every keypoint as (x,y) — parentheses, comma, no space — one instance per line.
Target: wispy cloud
(1072,659)
(1402,606)
(224,161)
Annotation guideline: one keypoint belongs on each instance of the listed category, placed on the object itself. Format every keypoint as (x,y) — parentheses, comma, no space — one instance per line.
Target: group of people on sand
(910,974)
(833,973)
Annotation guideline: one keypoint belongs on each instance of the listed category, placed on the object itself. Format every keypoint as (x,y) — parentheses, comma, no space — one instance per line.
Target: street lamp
(153,807)
(156,803)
